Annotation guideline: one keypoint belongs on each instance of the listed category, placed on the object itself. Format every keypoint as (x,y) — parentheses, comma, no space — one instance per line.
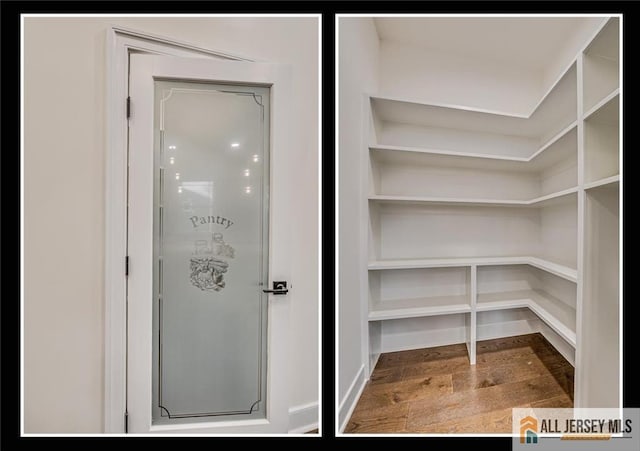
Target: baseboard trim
(348,403)
(303,418)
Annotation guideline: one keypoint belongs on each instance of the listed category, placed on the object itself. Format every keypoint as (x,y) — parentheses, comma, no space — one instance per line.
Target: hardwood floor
(435,390)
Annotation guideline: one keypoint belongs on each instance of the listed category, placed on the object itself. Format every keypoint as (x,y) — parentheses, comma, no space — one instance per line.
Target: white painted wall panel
(358,62)
(457,231)
(422,74)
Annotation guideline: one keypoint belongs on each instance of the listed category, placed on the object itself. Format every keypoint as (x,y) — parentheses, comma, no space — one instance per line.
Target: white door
(207,235)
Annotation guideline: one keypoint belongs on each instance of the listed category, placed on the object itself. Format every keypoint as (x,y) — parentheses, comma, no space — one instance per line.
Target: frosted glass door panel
(211,250)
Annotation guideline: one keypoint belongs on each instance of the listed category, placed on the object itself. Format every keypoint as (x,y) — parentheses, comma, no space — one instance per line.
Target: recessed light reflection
(179,190)
(247,173)
(256,158)
(247,189)
(172,160)
(177,176)
(172,147)
(235,144)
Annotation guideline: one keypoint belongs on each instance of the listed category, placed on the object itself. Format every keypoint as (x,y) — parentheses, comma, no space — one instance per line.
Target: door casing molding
(120,43)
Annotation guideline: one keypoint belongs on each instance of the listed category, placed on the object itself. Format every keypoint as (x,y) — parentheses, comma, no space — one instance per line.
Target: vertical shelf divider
(593,378)
(473,292)
(371,332)
(578,397)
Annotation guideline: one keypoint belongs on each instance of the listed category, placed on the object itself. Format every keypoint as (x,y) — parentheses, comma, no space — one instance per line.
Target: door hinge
(126,422)
(128,107)
(126,265)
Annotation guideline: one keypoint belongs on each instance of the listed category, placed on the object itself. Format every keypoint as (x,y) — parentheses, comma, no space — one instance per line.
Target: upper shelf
(542,201)
(563,145)
(554,268)
(555,112)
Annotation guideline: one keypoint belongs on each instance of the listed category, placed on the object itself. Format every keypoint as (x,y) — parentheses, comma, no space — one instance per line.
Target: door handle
(279,288)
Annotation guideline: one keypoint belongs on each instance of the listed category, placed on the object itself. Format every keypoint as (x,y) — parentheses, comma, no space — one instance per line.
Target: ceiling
(528,42)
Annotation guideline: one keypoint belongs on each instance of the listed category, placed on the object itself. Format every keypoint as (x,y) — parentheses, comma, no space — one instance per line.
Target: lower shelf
(412,308)
(555,313)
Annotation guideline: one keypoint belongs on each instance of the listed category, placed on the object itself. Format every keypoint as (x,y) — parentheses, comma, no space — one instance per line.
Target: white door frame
(120,43)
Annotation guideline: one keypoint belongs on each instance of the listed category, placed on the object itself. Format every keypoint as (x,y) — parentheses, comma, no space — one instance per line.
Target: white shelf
(549,144)
(542,121)
(410,174)
(502,301)
(549,199)
(554,268)
(424,150)
(412,308)
(448,201)
(450,106)
(558,315)
(559,270)
(613,180)
(432,262)
(479,160)
(602,139)
(604,104)
(407,111)
(537,202)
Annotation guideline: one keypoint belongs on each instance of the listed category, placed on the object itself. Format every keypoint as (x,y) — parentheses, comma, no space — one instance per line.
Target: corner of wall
(359,40)
(350,400)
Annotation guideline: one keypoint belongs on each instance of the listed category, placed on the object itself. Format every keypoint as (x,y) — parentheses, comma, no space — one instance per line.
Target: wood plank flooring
(435,390)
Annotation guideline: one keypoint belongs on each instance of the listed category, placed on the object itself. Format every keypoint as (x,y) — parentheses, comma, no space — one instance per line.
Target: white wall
(358,63)
(431,75)
(64,155)
(427,75)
